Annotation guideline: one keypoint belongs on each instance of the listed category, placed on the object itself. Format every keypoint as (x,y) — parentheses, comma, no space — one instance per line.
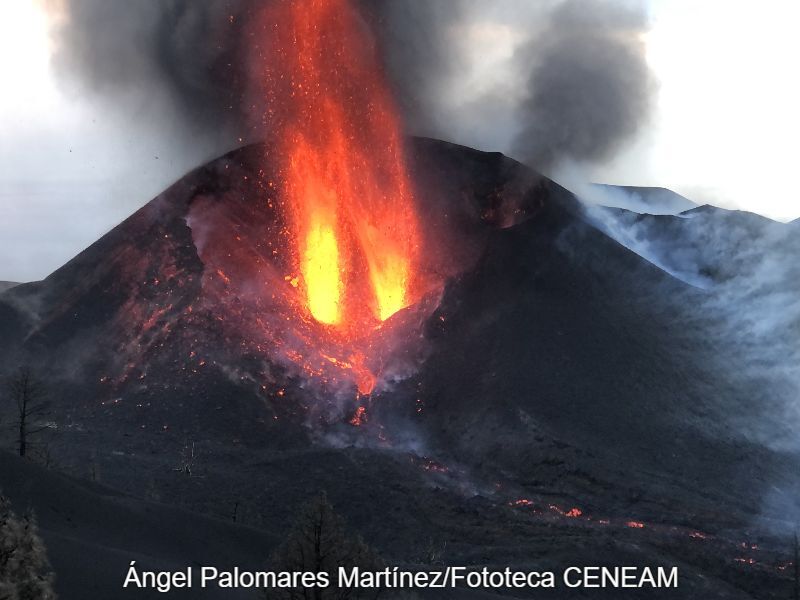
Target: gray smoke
(417,55)
(748,314)
(589,87)
(140,53)
(196,53)
(747,265)
(585,81)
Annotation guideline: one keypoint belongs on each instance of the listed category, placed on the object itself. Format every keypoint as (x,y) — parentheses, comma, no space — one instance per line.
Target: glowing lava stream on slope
(350,204)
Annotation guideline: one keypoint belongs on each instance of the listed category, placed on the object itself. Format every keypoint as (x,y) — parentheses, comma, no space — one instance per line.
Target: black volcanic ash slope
(145,311)
(92,533)
(562,337)
(562,368)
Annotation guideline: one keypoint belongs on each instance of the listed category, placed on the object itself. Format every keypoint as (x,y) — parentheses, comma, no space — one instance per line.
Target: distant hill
(7,285)
(648,200)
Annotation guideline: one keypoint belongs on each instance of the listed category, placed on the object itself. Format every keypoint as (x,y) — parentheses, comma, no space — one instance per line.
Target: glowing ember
(359,418)
(634,525)
(429,464)
(572,513)
(351,209)
(521,502)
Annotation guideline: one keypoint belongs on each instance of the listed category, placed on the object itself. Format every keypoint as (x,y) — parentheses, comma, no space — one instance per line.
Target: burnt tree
(319,543)
(28,392)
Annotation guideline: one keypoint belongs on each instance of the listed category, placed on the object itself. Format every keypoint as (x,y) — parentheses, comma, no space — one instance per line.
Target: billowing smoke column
(578,86)
(187,53)
(589,86)
(580,64)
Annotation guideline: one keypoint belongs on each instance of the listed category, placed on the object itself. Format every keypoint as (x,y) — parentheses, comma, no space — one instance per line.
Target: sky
(723,128)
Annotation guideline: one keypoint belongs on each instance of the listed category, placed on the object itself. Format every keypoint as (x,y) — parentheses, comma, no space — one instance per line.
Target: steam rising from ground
(749,270)
(574,84)
(748,265)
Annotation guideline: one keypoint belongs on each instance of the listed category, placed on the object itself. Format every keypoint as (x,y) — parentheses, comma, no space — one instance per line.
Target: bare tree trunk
(28,392)
(318,552)
(796,567)
(23,413)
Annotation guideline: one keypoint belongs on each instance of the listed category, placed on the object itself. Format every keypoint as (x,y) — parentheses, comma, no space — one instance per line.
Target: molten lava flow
(348,194)
(321,273)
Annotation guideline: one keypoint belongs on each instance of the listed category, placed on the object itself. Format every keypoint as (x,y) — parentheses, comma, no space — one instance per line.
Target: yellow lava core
(350,200)
(322,275)
(390,281)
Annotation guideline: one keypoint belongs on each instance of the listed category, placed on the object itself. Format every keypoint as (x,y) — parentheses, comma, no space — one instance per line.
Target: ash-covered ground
(565,399)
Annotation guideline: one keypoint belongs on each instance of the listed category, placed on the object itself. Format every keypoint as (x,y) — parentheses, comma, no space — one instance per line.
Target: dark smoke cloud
(417,55)
(127,51)
(587,81)
(196,52)
(589,87)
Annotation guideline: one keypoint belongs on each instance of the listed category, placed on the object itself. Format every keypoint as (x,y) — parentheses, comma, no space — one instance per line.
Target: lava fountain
(346,189)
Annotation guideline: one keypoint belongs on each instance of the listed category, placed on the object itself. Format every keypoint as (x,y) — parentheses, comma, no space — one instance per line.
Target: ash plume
(589,86)
(576,88)
(180,52)
(414,45)
(196,53)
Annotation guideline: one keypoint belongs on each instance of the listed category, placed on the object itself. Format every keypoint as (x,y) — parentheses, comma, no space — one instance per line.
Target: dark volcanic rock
(92,533)
(562,388)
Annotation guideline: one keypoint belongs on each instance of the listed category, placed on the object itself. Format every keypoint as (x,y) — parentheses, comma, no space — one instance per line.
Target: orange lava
(351,208)
(359,417)
(521,502)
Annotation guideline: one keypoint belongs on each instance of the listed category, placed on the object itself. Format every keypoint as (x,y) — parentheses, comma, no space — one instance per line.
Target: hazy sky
(723,130)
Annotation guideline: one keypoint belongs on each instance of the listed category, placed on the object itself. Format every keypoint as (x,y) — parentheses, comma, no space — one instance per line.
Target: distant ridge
(647,200)
(725,213)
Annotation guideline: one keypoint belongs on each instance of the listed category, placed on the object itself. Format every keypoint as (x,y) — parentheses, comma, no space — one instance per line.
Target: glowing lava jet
(344,181)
